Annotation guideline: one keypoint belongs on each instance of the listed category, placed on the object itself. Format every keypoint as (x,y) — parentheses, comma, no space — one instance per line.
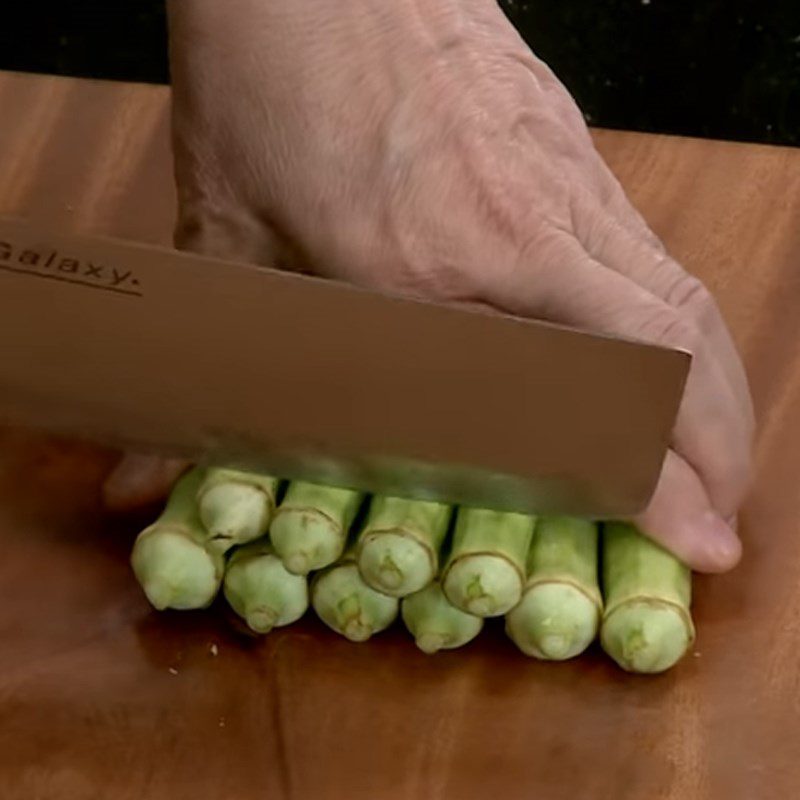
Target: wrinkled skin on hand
(422,148)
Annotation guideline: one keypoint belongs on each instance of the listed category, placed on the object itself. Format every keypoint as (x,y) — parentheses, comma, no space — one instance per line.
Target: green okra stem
(559,613)
(310,528)
(260,589)
(170,558)
(485,570)
(647,625)
(435,623)
(347,604)
(235,506)
(398,547)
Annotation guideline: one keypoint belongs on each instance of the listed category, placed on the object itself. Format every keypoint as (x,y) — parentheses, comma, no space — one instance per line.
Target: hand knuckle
(690,294)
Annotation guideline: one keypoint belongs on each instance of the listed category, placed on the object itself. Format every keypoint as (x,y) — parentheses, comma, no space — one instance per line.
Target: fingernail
(722,544)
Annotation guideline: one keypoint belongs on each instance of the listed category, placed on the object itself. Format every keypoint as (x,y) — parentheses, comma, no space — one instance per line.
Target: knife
(162,351)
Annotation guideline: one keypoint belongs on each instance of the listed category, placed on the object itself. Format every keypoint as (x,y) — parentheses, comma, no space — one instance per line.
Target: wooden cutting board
(102,698)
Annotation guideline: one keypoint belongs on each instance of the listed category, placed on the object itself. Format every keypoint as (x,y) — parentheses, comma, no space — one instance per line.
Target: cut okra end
(262,591)
(395,563)
(306,539)
(261,620)
(347,605)
(554,621)
(352,619)
(485,585)
(234,513)
(435,623)
(174,570)
(646,637)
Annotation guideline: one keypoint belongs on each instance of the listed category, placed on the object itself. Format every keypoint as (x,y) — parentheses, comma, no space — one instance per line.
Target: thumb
(681,518)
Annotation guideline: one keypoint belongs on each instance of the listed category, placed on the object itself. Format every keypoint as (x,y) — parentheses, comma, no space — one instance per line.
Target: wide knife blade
(168,352)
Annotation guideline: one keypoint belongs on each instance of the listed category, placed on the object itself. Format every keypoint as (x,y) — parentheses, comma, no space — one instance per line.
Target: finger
(557,280)
(138,481)
(680,517)
(618,247)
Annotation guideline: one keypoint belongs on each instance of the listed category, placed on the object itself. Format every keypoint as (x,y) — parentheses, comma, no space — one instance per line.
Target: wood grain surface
(100,697)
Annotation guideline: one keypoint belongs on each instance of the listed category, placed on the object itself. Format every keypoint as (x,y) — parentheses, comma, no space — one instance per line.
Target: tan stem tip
(432,642)
(262,620)
(298,563)
(356,630)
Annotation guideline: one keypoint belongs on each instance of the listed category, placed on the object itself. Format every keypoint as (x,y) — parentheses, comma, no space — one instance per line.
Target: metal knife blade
(168,352)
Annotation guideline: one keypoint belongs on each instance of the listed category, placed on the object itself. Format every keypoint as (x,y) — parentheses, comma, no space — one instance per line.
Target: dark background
(727,69)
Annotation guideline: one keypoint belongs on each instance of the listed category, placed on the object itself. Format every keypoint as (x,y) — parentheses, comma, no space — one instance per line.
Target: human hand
(423,149)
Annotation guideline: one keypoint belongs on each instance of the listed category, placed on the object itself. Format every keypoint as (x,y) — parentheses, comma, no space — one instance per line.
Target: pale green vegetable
(647,624)
(559,613)
(485,571)
(310,528)
(235,506)
(261,590)
(435,623)
(170,558)
(348,605)
(398,548)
